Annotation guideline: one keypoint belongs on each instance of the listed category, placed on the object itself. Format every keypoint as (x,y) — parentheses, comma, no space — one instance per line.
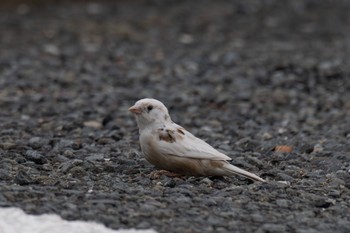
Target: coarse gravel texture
(246,76)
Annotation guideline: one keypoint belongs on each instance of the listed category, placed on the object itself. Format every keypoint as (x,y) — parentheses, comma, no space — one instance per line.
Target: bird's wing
(176,141)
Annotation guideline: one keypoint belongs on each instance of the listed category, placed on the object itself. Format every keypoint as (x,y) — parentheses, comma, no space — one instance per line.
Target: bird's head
(150,111)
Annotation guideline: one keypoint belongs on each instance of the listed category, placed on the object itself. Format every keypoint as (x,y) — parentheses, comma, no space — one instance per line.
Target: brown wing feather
(176,141)
(167,135)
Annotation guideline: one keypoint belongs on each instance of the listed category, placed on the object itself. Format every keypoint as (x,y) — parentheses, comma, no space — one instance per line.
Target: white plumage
(170,147)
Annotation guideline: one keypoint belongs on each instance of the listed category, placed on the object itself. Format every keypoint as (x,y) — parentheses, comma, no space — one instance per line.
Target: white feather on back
(187,145)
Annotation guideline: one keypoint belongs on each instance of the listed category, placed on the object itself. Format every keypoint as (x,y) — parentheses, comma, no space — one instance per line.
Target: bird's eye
(149,107)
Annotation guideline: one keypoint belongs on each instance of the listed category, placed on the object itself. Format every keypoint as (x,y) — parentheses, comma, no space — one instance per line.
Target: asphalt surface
(267,82)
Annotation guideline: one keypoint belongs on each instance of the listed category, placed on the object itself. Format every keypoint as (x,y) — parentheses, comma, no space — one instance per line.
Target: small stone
(52,49)
(115,135)
(36,142)
(63,143)
(66,166)
(77,144)
(266,136)
(283,203)
(77,171)
(95,157)
(224,147)
(22,178)
(186,39)
(207,181)
(93,124)
(284,177)
(104,141)
(270,227)
(284,182)
(8,145)
(47,167)
(317,148)
(143,225)
(35,156)
(230,58)
(280,97)
(334,193)
(256,217)
(107,119)
(171,183)
(182,201)
(282,130)
(68,153)
(323,202)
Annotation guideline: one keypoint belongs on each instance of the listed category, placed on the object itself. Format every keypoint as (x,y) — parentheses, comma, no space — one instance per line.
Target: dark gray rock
(35,156)
(65,167)
(22,178)
(37,142)
(95,157)
(8,145)
(270,228)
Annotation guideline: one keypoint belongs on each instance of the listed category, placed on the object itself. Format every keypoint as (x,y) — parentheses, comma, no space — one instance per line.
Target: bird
(170,147)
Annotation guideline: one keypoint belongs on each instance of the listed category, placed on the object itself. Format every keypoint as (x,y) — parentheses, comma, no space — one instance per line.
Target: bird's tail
(231,169)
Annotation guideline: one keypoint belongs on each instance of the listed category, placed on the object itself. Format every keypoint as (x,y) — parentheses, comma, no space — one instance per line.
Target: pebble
(22,178)
(283,203)
(35,156)
(37,142)
(93,124)
(8,145)
(95,157)
(66,166)
(271,228)
(267,136)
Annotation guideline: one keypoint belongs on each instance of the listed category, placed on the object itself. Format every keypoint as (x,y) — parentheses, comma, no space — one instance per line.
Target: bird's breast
(149,149)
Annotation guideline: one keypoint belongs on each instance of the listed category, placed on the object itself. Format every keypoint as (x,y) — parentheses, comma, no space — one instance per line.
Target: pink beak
(135,110)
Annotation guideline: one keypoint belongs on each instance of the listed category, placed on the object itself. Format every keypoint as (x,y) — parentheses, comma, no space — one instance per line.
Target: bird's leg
(157,174)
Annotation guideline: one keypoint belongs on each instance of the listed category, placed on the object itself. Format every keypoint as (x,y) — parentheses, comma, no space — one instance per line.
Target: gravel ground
(246,76)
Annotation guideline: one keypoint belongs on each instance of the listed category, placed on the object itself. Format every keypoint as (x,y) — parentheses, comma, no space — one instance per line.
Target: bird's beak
(135,110)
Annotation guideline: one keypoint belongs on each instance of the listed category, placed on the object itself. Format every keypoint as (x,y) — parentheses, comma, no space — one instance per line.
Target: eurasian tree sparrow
(169,146)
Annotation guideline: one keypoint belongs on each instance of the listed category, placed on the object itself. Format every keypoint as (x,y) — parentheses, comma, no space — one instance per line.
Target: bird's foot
(158,173)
